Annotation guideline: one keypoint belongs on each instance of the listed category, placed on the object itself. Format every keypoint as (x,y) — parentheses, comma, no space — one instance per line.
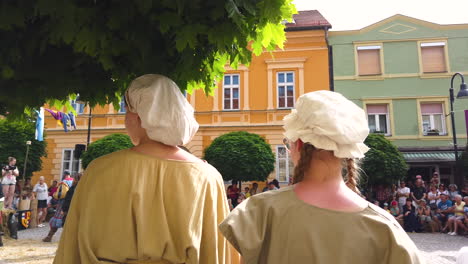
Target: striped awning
(433,156)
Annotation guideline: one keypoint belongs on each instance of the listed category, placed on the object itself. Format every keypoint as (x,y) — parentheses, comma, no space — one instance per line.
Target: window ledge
(231,110)
(370,77)
(431,75)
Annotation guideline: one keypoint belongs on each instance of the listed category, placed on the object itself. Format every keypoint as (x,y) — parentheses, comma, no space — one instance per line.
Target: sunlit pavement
(29,248)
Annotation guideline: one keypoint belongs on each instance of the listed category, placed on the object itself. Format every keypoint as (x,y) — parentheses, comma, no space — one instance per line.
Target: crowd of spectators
(236,196)
(425,206)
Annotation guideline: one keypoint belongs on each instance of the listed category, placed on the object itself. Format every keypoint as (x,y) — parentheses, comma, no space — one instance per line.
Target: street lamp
(462,94)
(28,143)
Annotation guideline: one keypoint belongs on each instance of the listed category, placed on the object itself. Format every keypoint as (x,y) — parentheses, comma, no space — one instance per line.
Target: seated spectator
(443,212)
(382,194)
(433,196)
(424,215)
(395,212)
(464,191)
(453,191)
(385,207)
(456,221)
(411,223)
(254,189)
(272,186)
(443,190)
(246,192)
(276,183)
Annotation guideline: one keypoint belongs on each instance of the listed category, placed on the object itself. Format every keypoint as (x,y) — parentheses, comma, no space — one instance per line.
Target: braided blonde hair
(307,150)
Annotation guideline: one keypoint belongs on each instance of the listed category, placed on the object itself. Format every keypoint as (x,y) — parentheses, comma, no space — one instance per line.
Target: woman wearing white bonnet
(321,218)
(153,203)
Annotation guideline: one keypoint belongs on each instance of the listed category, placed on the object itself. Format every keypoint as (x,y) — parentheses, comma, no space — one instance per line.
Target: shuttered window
(369,60)
(433,57)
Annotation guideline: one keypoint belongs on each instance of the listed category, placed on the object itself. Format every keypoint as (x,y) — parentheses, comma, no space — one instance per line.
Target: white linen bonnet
(165,113)
(329,121)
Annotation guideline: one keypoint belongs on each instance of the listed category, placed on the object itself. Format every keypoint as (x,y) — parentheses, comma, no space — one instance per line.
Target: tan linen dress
(277,228)
(134,208)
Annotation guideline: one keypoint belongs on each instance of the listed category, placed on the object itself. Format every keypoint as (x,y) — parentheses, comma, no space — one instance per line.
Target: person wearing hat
(321,218)
(162,205)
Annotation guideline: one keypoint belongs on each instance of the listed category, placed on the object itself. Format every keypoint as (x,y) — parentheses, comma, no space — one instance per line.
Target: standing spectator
(233,193)
(457,219)
(63,205)
(254,189)
(53,188)
(9,174)
(443,212)
(443,190)
(393,193)
(67,178)
(410,185)
(403,193)
(40,192)
(433,196)
(418,193)
(435,179)
(453,191)
(411,223)
(382,194)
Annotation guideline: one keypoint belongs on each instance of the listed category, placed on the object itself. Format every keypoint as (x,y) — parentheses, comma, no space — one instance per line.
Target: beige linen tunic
(277,228)
(134,208)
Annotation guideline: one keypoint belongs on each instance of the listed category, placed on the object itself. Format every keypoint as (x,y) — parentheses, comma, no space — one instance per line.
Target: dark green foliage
(50,49)
(384,163)
(13,137)
(104,146)
(241,156)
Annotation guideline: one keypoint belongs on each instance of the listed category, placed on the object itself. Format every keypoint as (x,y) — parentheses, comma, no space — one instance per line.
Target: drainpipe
(330,63)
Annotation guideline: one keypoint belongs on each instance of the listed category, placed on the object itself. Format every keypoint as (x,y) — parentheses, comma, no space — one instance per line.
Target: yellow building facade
(253,99)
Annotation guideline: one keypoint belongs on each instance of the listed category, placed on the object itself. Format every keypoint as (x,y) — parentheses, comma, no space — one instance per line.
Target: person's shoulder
(270,198)
(380,216)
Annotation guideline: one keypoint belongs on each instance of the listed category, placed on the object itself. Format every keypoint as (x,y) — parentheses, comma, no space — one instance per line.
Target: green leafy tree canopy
(384,163)
(104,146)
(241,156)
(13,137)
(53,48)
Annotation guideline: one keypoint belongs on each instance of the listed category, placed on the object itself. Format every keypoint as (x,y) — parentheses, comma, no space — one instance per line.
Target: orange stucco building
(253,99)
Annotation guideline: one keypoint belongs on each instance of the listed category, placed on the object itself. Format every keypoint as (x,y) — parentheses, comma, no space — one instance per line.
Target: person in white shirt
(403,193)
(9,174)
(41,193)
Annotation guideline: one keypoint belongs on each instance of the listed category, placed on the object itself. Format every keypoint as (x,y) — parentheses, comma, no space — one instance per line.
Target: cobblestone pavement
(29,247)
(439,248)
(436,248)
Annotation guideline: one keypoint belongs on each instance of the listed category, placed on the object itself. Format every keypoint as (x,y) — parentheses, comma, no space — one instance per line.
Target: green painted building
(398,70)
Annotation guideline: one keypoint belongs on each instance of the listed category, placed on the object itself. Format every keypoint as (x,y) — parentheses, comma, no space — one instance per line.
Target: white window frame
(288,159)
(75,105)
(387,119)
(122,109)
(285,84)
(431,120)
(231,87)
(71,161)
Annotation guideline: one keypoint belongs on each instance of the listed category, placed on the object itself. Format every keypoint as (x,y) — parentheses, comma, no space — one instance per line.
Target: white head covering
(328,121)
(165,113)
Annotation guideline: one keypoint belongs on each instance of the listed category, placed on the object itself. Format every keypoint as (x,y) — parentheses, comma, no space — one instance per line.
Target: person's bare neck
(162,151)
(323,186)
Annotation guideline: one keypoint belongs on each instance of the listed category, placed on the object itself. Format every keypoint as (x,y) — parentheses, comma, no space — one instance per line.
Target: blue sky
(349,14)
